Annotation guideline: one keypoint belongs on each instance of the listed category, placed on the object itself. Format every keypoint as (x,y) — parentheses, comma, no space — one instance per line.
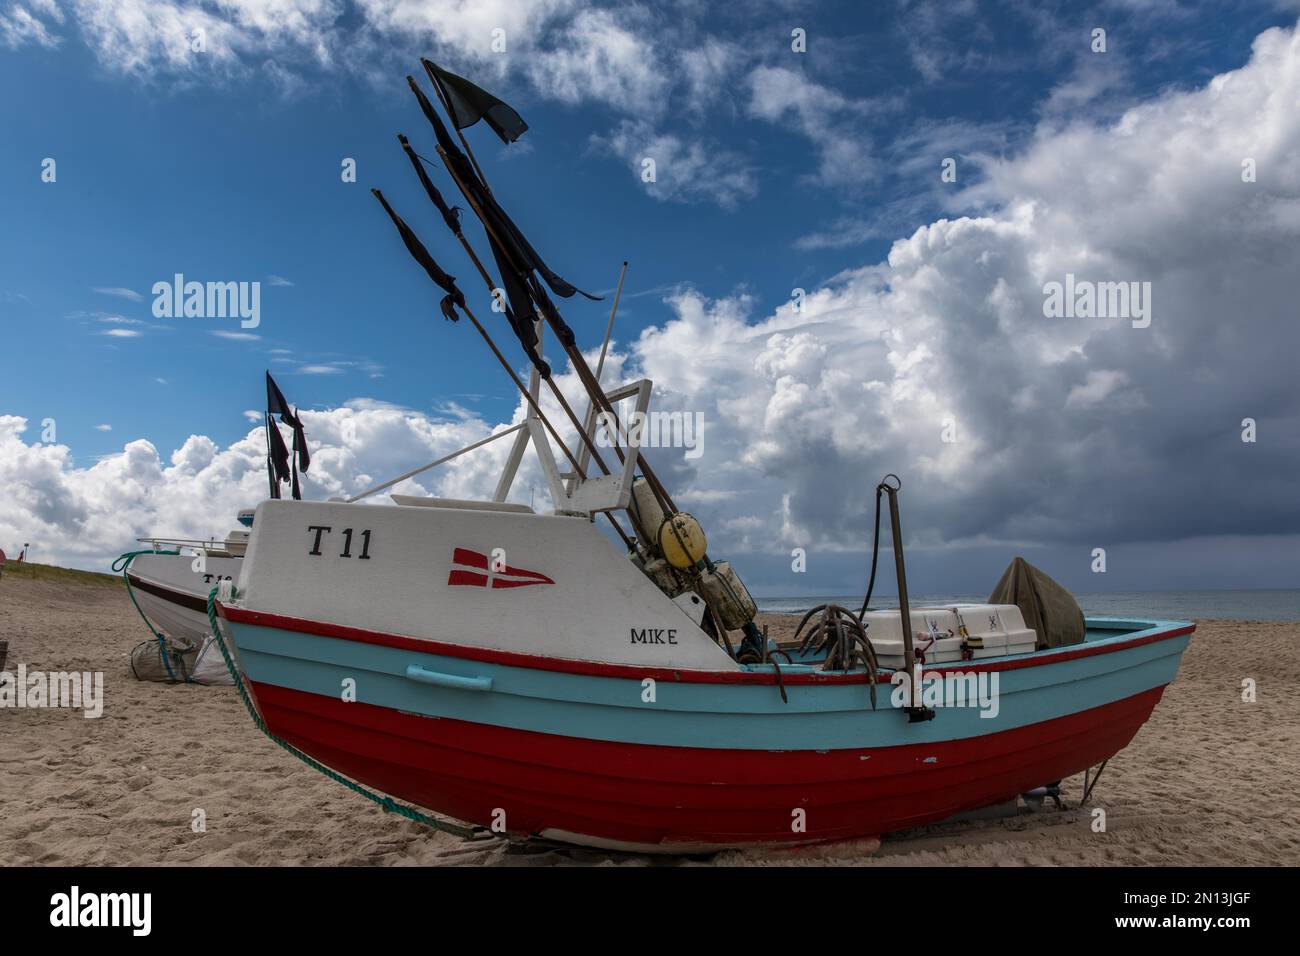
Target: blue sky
(777,170)
(232,180)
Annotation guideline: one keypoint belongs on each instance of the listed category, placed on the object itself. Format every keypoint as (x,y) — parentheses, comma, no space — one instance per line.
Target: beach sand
(1209,779)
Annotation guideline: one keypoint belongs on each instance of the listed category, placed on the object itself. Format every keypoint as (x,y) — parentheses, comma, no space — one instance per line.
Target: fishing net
(175,661)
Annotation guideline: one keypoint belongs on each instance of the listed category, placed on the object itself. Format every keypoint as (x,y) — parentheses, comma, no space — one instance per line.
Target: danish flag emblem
(472,569)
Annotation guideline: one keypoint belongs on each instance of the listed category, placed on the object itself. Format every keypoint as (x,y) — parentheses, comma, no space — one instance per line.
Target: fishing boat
(168,582)
(542,675)
(172,577)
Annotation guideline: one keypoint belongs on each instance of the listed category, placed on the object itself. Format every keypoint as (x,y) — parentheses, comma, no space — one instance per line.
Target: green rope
(121,564)
(387,803)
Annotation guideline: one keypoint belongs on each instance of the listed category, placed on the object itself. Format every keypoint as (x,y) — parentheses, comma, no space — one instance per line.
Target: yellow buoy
(682,541)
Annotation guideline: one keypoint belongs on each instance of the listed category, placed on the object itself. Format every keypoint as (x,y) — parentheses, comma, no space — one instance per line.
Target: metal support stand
(915,711)
(1088,785)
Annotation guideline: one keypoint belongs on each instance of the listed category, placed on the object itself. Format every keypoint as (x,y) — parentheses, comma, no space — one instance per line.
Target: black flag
(497,221)
(283,466)
(450,214)
(562,330)
(276,403)
(421,255)
(279,456)
(520,313)
(468,104)
(300,444)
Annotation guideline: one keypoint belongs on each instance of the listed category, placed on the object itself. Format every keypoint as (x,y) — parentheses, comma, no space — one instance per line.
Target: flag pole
(609,328)
(504,364)
(523,389)
(270,463)
(487,280)
(594,391)
(604,348)
(456,298)
(437,88)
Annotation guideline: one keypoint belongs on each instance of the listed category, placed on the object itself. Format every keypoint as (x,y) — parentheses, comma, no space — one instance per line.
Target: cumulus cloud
(1073,433)
(1079,431)
(87,515)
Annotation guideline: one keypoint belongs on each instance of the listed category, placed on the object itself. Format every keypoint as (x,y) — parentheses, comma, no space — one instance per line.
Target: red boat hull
(658,797)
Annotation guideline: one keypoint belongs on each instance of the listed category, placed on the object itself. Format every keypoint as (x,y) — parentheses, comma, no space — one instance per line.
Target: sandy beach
(1210,780)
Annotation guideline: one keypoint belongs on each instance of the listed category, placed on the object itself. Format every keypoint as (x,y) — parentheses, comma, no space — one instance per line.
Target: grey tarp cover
(1047,607)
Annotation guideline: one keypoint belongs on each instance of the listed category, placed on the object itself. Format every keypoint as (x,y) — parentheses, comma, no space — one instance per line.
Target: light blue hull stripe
(726,716)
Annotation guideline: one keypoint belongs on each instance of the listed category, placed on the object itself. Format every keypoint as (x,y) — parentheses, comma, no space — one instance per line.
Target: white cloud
(914,159)
(18,25)
(1096,81)
(944,36)
(86,516)
(121,333)
(236,336)
(831,121)
(103,428)
(120,293)
(633,59)
(684,171)
(463,28)
(601,59)
(706,70)
(644,64)
(144,37)
(1098,386)
(1055,418)
(1082,432)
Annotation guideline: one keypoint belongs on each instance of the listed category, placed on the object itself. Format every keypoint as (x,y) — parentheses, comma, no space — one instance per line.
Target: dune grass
(49,572)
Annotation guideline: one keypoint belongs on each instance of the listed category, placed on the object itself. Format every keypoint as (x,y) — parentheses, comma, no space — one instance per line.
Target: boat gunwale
(172,595)
(1153,632)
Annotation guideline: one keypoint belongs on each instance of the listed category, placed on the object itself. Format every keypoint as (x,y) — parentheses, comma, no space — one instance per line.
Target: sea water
(1251,605)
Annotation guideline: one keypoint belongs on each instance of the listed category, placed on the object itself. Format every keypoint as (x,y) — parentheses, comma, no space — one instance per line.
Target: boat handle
(425,676)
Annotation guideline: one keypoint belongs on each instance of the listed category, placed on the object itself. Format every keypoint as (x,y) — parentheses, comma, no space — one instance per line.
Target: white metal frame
(572,494)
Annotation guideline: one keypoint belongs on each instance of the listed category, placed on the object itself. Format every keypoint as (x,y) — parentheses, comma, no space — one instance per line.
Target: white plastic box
(942,635)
